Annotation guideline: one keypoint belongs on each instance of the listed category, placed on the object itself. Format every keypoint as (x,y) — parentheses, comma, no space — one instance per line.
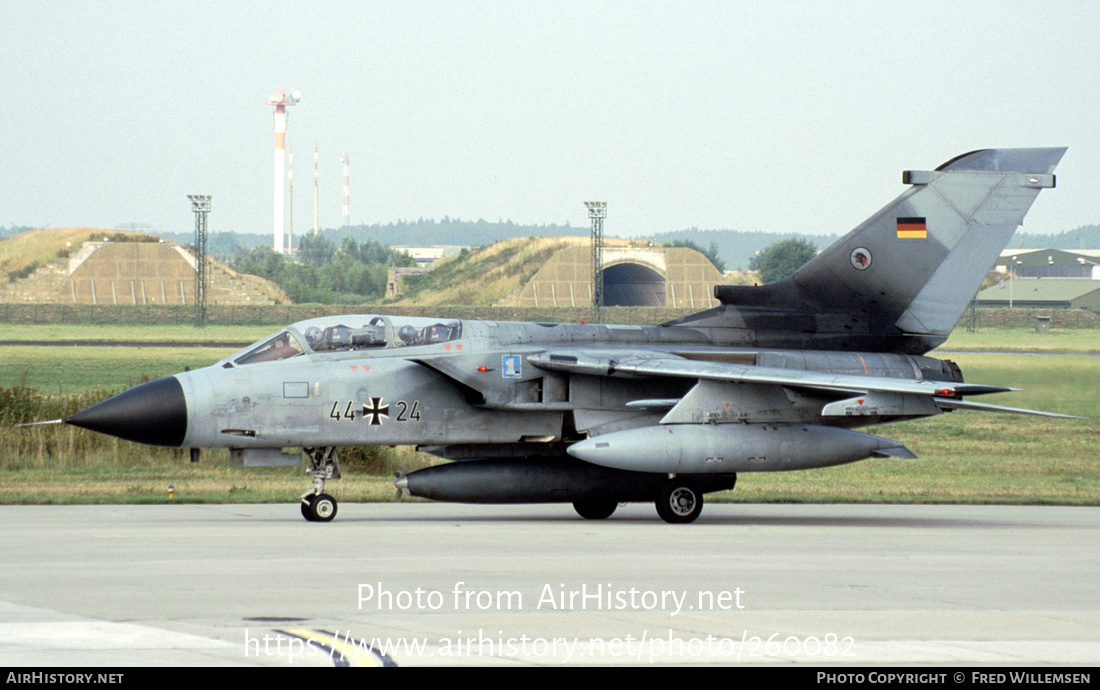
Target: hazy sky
(776,116)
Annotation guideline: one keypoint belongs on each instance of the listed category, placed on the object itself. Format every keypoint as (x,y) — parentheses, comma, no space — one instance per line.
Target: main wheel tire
(679,503)
(324,508)
(320,509)
(595,510)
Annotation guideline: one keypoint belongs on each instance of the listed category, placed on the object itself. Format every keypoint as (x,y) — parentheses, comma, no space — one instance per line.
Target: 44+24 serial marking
(376,411)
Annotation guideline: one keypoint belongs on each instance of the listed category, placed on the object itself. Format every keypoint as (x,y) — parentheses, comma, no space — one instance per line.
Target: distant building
(426,256)
(1043,293)
(633,276)
(1050,263)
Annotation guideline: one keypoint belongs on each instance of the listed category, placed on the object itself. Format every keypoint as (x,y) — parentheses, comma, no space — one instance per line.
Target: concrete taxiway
(442,584)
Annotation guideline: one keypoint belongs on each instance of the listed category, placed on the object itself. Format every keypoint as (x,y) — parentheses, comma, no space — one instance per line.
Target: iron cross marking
(376,411)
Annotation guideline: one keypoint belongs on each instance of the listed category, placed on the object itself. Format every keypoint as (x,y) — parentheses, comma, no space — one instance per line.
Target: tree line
(323,273)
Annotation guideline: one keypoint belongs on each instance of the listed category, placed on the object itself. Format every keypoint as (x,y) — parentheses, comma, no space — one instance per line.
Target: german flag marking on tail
(912,229)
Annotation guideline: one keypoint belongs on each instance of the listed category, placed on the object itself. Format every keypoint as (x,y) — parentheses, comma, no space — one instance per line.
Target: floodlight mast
(200,205)
(597,211)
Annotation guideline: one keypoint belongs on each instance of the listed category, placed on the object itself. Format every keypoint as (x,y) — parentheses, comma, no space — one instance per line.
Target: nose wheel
(324,464)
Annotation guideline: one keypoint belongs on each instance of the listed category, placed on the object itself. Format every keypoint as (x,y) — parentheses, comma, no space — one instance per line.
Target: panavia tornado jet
(777,378)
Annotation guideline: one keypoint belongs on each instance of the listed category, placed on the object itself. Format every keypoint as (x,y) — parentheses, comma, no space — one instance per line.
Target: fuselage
(380,380)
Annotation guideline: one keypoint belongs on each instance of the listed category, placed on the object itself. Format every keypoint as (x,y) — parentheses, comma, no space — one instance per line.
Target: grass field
(113,333)
(963,456)
(1080,340)
(73,370)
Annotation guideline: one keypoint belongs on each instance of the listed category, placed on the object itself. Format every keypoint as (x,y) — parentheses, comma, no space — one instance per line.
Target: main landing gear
(317,506)
(595,510)
(679,502)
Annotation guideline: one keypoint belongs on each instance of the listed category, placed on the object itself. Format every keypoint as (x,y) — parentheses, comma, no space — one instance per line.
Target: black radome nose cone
(153,413)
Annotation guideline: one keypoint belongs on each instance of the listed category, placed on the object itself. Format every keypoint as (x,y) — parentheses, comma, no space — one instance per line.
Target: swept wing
(943,393)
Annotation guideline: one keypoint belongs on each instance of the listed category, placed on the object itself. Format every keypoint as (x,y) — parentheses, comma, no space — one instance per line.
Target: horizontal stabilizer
(949,404)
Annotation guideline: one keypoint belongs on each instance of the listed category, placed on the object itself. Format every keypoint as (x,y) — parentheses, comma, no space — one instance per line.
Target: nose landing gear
(317,506)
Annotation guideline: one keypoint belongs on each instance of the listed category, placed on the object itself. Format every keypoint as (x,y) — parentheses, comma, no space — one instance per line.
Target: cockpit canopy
(350,333)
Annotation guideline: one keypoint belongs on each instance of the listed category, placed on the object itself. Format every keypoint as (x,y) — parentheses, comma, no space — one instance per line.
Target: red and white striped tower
(280,100)
(316,164)
(290,199)
(347,202)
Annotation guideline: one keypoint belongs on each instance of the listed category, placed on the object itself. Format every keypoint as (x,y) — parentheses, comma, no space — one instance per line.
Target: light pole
(200,205)
(597,211)
(1012,278)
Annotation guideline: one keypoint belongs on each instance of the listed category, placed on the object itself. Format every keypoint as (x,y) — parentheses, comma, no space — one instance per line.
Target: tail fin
(903,278)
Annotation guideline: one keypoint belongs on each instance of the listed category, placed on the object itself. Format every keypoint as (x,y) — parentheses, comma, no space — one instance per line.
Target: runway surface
(441,584)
